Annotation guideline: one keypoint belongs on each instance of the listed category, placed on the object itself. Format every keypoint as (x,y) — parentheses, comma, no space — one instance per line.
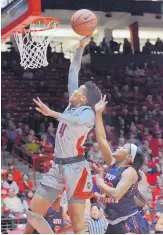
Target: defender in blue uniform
(57,219)
(121,182)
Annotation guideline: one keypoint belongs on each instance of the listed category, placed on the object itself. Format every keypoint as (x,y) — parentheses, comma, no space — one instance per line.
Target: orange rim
(45,20)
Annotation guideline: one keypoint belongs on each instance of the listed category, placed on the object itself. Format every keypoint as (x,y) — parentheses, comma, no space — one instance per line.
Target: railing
(17,225)
(32,160)
(9,224)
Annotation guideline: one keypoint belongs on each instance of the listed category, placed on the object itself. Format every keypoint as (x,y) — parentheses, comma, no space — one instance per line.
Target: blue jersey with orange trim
(126,205)
(54,218)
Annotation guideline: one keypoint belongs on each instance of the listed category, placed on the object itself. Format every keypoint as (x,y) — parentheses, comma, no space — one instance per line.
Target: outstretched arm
(85,118)
(75,67)
(74,71)
(100,132)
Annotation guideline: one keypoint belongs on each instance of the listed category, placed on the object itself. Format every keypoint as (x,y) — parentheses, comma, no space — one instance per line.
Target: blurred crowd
(111,47)
(134,115)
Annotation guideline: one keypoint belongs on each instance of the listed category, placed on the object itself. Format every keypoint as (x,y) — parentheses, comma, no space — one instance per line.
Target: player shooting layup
(71,170)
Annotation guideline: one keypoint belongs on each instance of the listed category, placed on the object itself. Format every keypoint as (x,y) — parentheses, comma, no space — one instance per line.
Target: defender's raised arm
(100,132)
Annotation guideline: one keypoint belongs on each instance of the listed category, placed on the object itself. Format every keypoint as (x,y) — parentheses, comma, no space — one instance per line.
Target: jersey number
(62,129)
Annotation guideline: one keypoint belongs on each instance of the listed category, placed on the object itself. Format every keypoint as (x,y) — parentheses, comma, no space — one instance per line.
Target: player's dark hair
(138,160)
(93,93)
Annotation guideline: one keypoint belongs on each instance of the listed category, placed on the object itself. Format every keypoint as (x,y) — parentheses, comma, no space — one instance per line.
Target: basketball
(84,22)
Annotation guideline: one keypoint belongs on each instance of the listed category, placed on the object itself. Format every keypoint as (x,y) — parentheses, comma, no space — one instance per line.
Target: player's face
(121,153)
(78,96)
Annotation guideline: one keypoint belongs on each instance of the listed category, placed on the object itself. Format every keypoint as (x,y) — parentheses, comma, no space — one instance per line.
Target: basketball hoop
(32,44)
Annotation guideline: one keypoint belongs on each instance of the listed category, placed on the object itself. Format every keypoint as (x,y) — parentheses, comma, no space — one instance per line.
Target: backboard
(17,15)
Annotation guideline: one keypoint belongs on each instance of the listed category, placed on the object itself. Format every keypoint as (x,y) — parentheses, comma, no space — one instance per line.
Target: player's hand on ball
(84,41)
(100,106)
(42,108)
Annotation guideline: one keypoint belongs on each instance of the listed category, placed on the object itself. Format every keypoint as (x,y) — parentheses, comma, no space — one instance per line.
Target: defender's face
(121,153)
(78,96)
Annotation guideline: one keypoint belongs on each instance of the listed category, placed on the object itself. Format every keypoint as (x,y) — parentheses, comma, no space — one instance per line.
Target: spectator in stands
(130,71)
(114,46)
(28,75)
(7,119)
(92,45)
(146,134)
(42,129)
(13,203)
(44,141)
(10,183)
(127,47)
(121,142)
(148,48)
(146,148)
(158,169)
(97,224)
(31,132)
(104,46)
(159,45)
(27,200)
(11,135)
(26,129)
(95,154)
(149,102)
(31,145)
(16,174)
(51,135)
(4,191)
(19,137)
(25,184)
(139,71)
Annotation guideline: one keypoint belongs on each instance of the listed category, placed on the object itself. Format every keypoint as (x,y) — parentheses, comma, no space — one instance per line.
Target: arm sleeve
(74,71)
(86,118)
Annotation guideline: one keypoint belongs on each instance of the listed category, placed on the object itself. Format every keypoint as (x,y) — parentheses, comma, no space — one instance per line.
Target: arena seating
(134,112)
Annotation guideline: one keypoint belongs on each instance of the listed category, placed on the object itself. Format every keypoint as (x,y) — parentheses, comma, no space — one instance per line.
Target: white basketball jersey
(71,134)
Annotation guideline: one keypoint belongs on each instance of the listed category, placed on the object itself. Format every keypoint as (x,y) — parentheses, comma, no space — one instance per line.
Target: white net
(33,45)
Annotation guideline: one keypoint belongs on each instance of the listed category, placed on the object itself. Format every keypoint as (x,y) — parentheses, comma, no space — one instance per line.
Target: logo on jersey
(89,185)
(110,177)
(57,221)
(111,200)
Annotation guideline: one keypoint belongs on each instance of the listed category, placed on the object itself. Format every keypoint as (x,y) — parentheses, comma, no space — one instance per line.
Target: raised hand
(99,180)
(100,106)
(84,41)
(103,199)
(42,108)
